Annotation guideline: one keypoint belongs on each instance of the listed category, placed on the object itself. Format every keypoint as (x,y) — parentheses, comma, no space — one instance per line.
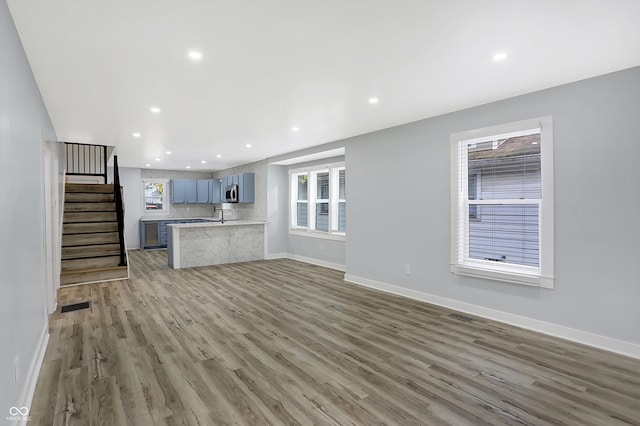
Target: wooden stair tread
(89,228)
(89,187)
(79,252)
(93,262)
(86,217)
(89,207)
(88,197)
(85,271)
(72,240)
(94,275)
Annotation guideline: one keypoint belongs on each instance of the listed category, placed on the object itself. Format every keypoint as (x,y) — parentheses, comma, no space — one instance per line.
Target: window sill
(314,234)
(510,277)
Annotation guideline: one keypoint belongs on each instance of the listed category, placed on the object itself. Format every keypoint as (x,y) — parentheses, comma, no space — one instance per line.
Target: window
(502,202)
(473,195)
(318,201)
(155,196)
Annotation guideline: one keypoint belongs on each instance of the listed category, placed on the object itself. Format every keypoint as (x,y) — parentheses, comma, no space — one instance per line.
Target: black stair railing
(86,160)
(117,192)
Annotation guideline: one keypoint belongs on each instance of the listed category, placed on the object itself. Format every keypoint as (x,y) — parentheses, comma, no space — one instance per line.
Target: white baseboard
(271,256)
(305,259)
(26,396)
(317,262)
(602,342)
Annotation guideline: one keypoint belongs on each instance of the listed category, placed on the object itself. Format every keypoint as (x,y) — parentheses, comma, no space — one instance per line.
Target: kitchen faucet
(221,212)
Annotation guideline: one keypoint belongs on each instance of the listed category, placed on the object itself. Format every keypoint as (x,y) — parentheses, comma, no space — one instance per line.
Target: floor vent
(461,317)
(75,307)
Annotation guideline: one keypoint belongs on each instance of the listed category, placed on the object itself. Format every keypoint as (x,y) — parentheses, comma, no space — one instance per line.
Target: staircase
(90,240)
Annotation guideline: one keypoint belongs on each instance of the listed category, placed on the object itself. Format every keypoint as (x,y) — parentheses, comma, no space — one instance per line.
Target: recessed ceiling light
(168,152)
(219,156)
(248,145)
(295,129)
(203,162)
(157,159)
(188,167)
(373,100)
(194,55)
(500,56)
(148,165)
(136,135)
(534,143)
(154,110)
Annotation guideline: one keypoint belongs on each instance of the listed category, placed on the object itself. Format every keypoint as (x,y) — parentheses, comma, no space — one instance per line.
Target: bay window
(318,200)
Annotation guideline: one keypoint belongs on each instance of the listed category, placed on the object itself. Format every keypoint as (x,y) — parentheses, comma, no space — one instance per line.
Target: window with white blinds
(502,202)
(318,200)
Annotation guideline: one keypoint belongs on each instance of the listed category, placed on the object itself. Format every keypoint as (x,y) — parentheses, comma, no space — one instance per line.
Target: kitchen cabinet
(202,191)
(246,186)
(188,191)
(215,191)
(184,191)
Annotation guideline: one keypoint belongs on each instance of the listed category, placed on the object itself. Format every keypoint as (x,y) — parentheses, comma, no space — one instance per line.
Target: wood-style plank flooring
(282,342)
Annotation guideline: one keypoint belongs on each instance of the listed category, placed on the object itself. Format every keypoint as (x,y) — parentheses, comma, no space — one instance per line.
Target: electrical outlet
(16,363)
(407,269)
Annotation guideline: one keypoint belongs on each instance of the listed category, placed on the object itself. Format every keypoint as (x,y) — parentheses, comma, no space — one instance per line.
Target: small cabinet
(184,191)
(246,187)
(202,187)
(215,191)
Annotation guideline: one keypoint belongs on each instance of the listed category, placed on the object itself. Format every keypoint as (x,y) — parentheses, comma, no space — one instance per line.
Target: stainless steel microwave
(231,194)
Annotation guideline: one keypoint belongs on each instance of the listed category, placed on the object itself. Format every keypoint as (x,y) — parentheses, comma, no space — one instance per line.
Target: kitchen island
(214,243)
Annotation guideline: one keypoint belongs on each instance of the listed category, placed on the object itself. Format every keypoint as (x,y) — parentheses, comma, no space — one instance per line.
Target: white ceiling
(271,65)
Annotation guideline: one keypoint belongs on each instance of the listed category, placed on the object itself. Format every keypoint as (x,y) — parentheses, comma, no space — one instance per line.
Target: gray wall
(399,206)
(24,126)
(131,182)
(277,239)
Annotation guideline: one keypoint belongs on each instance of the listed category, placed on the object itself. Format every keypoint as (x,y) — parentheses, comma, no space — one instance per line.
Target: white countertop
(149,218)
(216,224)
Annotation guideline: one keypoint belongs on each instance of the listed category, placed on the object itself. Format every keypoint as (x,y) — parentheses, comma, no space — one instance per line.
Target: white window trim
(542,276)
(165,202)
(310,230)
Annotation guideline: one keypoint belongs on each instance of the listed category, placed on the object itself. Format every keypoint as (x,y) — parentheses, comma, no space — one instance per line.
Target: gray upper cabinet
(246,187)
(215,191)
(188,191)
(203,191)
(184,191)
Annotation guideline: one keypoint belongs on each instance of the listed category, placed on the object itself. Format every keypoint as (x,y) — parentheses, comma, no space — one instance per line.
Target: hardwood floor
(282,342)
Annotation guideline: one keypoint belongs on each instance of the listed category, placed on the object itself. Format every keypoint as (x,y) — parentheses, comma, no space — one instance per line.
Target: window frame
(165,197)
(540,276)
(294,201)
(312,172)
